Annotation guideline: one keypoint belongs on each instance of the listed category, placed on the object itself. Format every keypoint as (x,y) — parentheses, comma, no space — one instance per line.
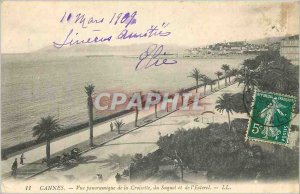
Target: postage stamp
(271,117)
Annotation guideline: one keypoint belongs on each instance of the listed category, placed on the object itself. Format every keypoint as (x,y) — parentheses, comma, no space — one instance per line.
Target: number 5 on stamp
(270,117)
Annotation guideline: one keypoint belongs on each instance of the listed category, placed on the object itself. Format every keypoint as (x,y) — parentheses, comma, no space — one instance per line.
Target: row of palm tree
(195,74)
(225,102)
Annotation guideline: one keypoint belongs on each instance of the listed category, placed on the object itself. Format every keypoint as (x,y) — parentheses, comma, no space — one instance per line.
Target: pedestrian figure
(118,177)
(22,159)
(111,126)
(99,177)
(159,134)
(14,168)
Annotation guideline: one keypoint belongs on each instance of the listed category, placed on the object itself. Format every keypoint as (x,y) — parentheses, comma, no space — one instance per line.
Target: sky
(32,25)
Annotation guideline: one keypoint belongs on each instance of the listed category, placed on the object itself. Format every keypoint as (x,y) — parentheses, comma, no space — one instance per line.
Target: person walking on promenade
(22,159)
(14,168)
(99,177)
(118,177)
(111,126)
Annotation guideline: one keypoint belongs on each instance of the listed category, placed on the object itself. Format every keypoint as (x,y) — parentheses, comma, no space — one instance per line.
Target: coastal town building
(227,48)
(289,48)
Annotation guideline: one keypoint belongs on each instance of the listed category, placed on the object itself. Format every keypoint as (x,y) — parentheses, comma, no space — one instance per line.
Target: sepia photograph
(150,96)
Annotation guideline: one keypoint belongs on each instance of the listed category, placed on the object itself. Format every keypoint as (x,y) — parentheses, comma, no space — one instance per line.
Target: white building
(289,48)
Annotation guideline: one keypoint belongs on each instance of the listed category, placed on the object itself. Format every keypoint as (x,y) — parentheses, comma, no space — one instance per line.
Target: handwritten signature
(153,57)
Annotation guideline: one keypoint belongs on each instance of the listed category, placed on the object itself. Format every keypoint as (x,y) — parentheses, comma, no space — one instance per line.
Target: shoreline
(37,103)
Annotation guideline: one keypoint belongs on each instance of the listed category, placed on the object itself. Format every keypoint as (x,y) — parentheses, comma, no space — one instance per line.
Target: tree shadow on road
(75,163)
(114,161)
(129,143)
(151,125)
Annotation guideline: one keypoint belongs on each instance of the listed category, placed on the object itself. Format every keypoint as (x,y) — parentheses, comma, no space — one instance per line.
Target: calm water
(36,86)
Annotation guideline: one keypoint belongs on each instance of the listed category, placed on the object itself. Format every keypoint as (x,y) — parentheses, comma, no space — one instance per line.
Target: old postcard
(150,97)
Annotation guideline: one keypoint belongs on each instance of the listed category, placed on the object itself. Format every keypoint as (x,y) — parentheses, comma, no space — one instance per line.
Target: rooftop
(294,37)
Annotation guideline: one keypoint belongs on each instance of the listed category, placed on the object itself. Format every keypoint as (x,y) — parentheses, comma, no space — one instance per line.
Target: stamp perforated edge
(250,119)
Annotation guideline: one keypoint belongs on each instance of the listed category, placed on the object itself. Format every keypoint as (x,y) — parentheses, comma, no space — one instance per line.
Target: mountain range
(131,50)
(105,49)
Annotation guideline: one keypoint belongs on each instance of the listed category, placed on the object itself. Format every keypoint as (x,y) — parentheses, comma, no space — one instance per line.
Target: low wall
(23,146)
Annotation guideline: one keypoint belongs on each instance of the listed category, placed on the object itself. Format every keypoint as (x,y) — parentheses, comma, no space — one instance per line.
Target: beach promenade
(114,155)
(38,153)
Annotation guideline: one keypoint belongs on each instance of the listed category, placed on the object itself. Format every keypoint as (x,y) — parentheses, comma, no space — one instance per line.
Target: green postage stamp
(271,117)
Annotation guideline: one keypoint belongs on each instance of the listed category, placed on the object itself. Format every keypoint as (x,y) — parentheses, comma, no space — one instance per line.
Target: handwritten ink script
(96,26)
(153,57)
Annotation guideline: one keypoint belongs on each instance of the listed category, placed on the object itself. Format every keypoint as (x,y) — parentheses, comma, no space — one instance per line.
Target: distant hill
(105,49)
(268,40)
(132,50)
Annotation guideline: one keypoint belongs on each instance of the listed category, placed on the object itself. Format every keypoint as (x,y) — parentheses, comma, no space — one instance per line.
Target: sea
(38,85)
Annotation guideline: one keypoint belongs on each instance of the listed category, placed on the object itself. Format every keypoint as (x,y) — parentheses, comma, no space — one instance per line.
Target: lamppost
(130,170)
(180,165)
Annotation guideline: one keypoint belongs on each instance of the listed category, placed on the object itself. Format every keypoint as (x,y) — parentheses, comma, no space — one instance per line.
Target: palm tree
(155,106)
(251,64)
(119,124)
(196,75)
(278,76)
(136,116)
(233,72)
(225,103)
(218,73)
(211,82)
(225,68)
(89,90)
(205,81)
(181,92)
(137,112)
(248,77)
(46,128)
